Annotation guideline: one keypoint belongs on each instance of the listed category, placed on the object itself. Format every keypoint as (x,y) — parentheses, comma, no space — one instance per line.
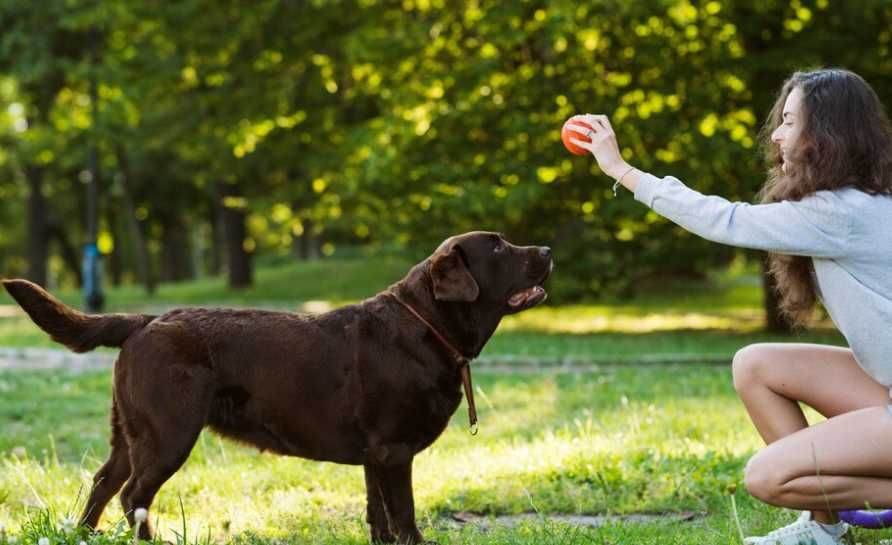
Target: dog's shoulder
(372,319)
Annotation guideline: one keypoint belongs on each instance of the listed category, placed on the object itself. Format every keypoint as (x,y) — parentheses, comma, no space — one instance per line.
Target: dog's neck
(467,328)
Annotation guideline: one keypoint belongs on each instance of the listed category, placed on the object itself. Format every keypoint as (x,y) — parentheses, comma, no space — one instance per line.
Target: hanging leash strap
(464,364)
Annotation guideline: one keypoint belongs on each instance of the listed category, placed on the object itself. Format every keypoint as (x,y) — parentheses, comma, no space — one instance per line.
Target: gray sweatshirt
(846,232)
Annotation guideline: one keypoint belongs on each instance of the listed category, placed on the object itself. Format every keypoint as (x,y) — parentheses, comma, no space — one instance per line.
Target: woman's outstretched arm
(816,226)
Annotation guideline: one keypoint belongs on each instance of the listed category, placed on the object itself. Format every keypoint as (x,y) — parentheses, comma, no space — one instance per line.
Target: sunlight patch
(595,320)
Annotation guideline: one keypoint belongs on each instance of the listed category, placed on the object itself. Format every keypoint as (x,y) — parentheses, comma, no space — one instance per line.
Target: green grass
(623,439)
(618,347)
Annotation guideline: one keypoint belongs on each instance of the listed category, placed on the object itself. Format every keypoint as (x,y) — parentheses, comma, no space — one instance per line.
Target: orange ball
(566,134)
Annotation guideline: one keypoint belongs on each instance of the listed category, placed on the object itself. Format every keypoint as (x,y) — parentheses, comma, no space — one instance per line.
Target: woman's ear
(451,277)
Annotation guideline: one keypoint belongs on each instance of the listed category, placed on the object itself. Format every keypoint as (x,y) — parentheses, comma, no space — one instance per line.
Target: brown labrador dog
(370,384)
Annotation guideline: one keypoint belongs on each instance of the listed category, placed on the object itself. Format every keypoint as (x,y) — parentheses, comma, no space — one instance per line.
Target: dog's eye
(499,247)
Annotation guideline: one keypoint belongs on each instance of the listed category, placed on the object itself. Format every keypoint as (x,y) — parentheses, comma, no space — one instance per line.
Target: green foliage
(365,122)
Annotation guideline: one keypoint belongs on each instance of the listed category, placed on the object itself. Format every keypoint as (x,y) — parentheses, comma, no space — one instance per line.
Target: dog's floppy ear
(451,277)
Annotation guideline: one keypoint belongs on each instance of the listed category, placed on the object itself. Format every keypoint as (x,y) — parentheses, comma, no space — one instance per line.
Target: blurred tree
(301,126)
(39,49)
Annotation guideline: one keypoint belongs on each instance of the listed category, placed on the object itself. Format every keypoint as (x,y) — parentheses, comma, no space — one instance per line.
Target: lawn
(649,428)
(613,440)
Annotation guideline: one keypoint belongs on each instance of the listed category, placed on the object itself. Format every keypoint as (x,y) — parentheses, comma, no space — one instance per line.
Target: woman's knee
(762,479)
(749,364)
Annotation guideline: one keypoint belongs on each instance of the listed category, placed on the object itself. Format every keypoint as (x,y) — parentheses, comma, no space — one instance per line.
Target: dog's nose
(544,252)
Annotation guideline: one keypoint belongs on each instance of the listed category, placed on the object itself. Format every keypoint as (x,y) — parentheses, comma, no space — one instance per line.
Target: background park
(303,154)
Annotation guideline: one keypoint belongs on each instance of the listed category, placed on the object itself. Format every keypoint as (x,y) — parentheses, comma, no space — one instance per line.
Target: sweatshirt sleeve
(816,226)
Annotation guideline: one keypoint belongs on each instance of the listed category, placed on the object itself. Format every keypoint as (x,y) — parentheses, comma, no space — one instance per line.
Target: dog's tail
(78,331)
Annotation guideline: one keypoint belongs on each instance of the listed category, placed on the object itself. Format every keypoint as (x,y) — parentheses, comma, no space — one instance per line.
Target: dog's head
(483,268)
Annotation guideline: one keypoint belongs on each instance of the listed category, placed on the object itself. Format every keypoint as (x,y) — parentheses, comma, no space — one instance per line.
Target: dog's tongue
(521,297)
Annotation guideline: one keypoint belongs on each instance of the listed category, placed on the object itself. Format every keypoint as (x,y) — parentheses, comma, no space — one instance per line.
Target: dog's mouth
(527,298)
(532,296)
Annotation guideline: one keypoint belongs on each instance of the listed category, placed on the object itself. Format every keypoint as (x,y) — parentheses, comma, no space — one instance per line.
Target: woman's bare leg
(771,378)
(844,462)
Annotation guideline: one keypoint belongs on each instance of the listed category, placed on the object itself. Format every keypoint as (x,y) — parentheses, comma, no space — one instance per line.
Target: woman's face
(787,133)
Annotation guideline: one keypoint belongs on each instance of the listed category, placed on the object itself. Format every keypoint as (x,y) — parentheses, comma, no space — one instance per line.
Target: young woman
(826,220)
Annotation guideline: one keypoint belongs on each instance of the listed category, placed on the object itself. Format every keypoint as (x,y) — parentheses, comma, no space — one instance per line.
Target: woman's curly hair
(844,141)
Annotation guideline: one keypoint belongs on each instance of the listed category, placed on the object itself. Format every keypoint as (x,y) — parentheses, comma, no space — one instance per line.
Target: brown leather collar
(463,362)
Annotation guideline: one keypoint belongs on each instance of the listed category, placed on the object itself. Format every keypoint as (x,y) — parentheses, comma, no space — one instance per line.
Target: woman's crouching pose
(826,221)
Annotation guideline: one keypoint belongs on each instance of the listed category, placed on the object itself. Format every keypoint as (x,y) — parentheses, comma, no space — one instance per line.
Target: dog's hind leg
(152,466)
(162,419)
(156,453)
(111,476)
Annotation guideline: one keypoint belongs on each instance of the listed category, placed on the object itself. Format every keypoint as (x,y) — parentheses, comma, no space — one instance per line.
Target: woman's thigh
(854,444)
(826,378)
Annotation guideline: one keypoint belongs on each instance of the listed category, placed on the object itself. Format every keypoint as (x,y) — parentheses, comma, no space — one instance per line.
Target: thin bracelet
(620,179)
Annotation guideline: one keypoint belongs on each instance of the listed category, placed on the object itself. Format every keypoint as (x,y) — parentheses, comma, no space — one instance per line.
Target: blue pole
(92,267)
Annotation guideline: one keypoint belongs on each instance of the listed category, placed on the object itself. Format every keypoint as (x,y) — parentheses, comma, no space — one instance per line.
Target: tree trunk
(233,213)
(218,241)
(136,232)
(176,264)
(306,246)
(198,254)
(67,250)
(775,320)
(114,258)
(38,229)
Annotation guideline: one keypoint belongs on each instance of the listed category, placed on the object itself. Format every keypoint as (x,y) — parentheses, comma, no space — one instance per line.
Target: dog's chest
(431,415)
(401,435)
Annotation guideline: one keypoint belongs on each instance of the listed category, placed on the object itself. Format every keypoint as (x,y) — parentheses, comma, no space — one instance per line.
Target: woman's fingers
(594,136)
(598,131)
(581,129)
(585,144)
(599,120)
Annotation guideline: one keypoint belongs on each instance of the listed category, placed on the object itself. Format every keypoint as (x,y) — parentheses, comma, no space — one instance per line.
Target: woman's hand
(603,143)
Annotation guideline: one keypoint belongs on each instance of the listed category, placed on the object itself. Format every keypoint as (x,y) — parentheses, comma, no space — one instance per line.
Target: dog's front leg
(396,487)
(376,514)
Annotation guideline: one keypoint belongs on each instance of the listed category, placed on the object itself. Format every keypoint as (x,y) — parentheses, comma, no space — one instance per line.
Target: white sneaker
(803,531)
